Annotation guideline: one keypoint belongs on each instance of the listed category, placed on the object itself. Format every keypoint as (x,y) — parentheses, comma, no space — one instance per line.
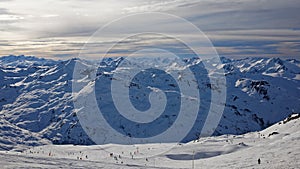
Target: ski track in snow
(277,146)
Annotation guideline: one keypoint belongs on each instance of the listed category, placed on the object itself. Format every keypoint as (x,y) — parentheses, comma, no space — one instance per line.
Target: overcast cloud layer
(59,28)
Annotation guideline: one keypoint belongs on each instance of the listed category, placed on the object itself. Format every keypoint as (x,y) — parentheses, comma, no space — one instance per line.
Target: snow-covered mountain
(24,61)
(36,100)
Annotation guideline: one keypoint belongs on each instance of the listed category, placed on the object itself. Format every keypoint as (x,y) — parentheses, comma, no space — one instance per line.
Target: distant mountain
(25,61)
(36,97)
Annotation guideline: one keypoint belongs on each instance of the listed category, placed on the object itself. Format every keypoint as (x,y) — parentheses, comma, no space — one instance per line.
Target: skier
(258,161)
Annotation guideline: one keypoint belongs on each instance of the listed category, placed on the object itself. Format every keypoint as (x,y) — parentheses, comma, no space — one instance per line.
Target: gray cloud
(64,26)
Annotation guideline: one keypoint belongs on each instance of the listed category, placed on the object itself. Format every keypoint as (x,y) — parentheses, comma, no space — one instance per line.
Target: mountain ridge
(37,96)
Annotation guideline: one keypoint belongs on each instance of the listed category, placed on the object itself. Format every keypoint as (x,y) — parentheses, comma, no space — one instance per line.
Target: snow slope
(277,147)
(36,97)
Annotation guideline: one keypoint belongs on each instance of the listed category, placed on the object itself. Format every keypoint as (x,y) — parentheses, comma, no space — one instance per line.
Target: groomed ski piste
(277,147)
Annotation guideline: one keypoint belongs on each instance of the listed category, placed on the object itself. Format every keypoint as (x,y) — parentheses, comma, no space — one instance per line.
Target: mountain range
(36,102)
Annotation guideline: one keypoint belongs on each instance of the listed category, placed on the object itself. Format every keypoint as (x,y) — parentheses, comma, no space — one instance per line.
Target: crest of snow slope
(277,147)
(37,97)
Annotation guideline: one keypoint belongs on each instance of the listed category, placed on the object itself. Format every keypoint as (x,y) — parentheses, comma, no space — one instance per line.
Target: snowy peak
(274,67)
(25,61)
(36,95)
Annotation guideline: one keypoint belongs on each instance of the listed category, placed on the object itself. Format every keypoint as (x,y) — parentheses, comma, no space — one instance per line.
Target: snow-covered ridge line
(23,61)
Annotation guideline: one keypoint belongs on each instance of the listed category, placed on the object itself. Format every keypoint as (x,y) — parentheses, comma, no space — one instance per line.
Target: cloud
(8,17)
(248,27)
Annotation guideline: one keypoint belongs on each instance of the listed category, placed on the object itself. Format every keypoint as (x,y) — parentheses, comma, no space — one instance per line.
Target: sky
(59,29)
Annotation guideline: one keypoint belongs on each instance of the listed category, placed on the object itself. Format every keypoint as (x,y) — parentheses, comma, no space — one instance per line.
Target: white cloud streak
(62,22)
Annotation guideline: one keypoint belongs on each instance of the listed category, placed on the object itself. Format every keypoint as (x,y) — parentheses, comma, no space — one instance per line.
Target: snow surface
(37,117)
(37,97)
(277,147)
